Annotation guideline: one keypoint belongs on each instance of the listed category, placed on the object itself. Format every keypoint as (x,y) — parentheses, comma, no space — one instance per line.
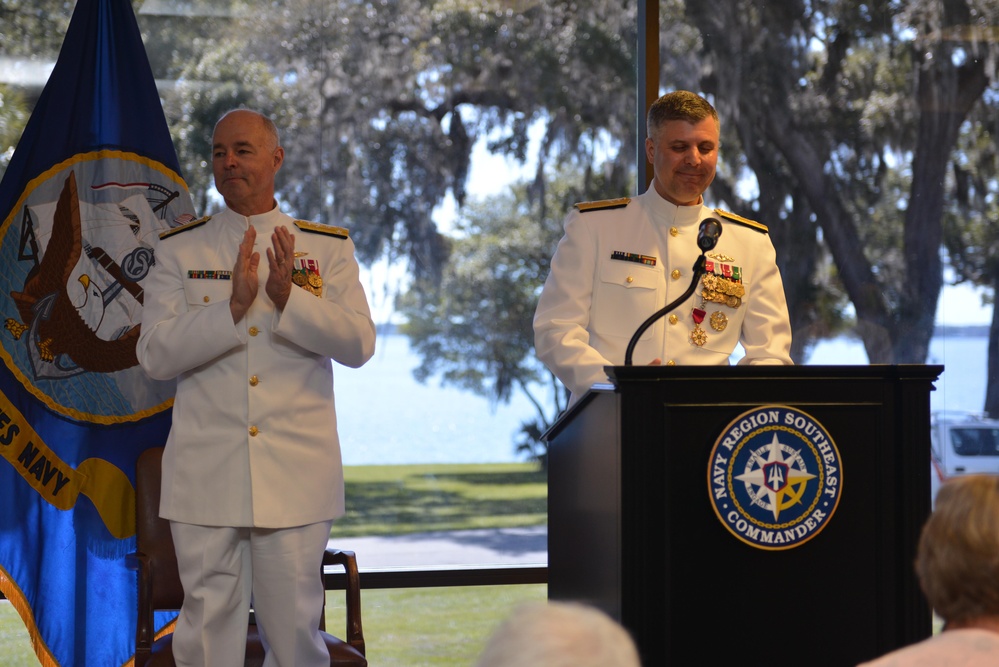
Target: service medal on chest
(697,335)
(306,275)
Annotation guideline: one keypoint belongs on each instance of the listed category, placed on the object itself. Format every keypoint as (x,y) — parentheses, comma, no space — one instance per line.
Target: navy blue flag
(91,184)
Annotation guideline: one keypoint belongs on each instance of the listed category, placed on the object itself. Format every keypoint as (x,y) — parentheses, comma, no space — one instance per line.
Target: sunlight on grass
(438,627)
(423,627)
(396,500)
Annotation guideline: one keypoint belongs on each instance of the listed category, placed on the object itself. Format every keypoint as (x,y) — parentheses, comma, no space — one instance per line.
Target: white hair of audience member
(559,634)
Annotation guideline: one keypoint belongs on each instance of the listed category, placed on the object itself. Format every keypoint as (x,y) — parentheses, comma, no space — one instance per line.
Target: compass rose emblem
(775,477)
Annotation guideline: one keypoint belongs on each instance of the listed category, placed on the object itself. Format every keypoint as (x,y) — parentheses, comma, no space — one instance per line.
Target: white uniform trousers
(221,568)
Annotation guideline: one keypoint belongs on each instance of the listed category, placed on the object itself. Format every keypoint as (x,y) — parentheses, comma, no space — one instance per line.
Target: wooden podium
(634,529)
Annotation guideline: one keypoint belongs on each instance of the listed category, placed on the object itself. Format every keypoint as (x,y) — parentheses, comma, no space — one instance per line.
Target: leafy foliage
(971,235)
(858,106)
(384,101)
(13,118)
(34,29)
(474,329)
(863,127)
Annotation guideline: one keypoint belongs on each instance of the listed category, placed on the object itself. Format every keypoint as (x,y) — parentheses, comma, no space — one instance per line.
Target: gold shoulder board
(585,206)
(317,228)
(746,222)
(183,228)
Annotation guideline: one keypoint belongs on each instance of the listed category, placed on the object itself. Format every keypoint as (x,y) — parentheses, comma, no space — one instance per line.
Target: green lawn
(395,500)
(432,627)
(415,627)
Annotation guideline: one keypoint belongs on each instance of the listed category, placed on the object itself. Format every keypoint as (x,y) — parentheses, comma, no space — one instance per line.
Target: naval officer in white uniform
(252,475)
(622,260)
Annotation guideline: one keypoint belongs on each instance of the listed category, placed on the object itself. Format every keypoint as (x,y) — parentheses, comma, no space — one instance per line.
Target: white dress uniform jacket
(254,437)
(616,266)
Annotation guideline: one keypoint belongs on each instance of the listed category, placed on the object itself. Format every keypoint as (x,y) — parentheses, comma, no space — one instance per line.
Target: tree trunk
(945,94)
(992,359)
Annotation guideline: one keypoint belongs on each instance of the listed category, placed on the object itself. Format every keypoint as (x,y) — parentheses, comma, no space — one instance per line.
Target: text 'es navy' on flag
(92,183)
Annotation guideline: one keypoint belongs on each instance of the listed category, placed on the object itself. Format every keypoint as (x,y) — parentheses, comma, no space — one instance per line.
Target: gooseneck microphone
(708,233)
(707,237)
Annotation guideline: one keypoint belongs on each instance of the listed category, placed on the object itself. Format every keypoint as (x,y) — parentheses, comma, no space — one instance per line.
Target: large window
(452,137)
(429,128)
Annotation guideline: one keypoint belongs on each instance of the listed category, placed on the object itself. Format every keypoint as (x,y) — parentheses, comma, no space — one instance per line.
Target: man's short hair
(958,558)
(678,105)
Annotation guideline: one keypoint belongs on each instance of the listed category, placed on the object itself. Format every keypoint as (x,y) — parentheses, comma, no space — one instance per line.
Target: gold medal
(698,336)
(719,320)
(306,275)
(718,288)
(713,296)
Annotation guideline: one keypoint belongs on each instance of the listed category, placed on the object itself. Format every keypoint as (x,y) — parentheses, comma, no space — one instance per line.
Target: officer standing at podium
(621,260)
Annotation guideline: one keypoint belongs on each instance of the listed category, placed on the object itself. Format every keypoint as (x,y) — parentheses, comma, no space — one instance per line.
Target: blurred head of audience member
(958,568)
(559,634)
(958,558)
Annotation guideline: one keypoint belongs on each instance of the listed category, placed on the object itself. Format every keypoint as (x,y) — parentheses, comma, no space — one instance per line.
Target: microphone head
(708,233)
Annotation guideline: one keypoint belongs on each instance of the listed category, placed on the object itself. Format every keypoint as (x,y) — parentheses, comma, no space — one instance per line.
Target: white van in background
(962,444)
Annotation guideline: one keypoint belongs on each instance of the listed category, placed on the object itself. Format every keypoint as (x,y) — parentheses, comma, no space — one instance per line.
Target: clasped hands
(280,261)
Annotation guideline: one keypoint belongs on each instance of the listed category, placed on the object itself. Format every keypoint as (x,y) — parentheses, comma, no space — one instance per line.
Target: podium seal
(774,477)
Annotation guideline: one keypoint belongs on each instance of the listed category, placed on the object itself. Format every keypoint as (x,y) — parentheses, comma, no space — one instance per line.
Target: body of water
(387,417)
(961,386)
